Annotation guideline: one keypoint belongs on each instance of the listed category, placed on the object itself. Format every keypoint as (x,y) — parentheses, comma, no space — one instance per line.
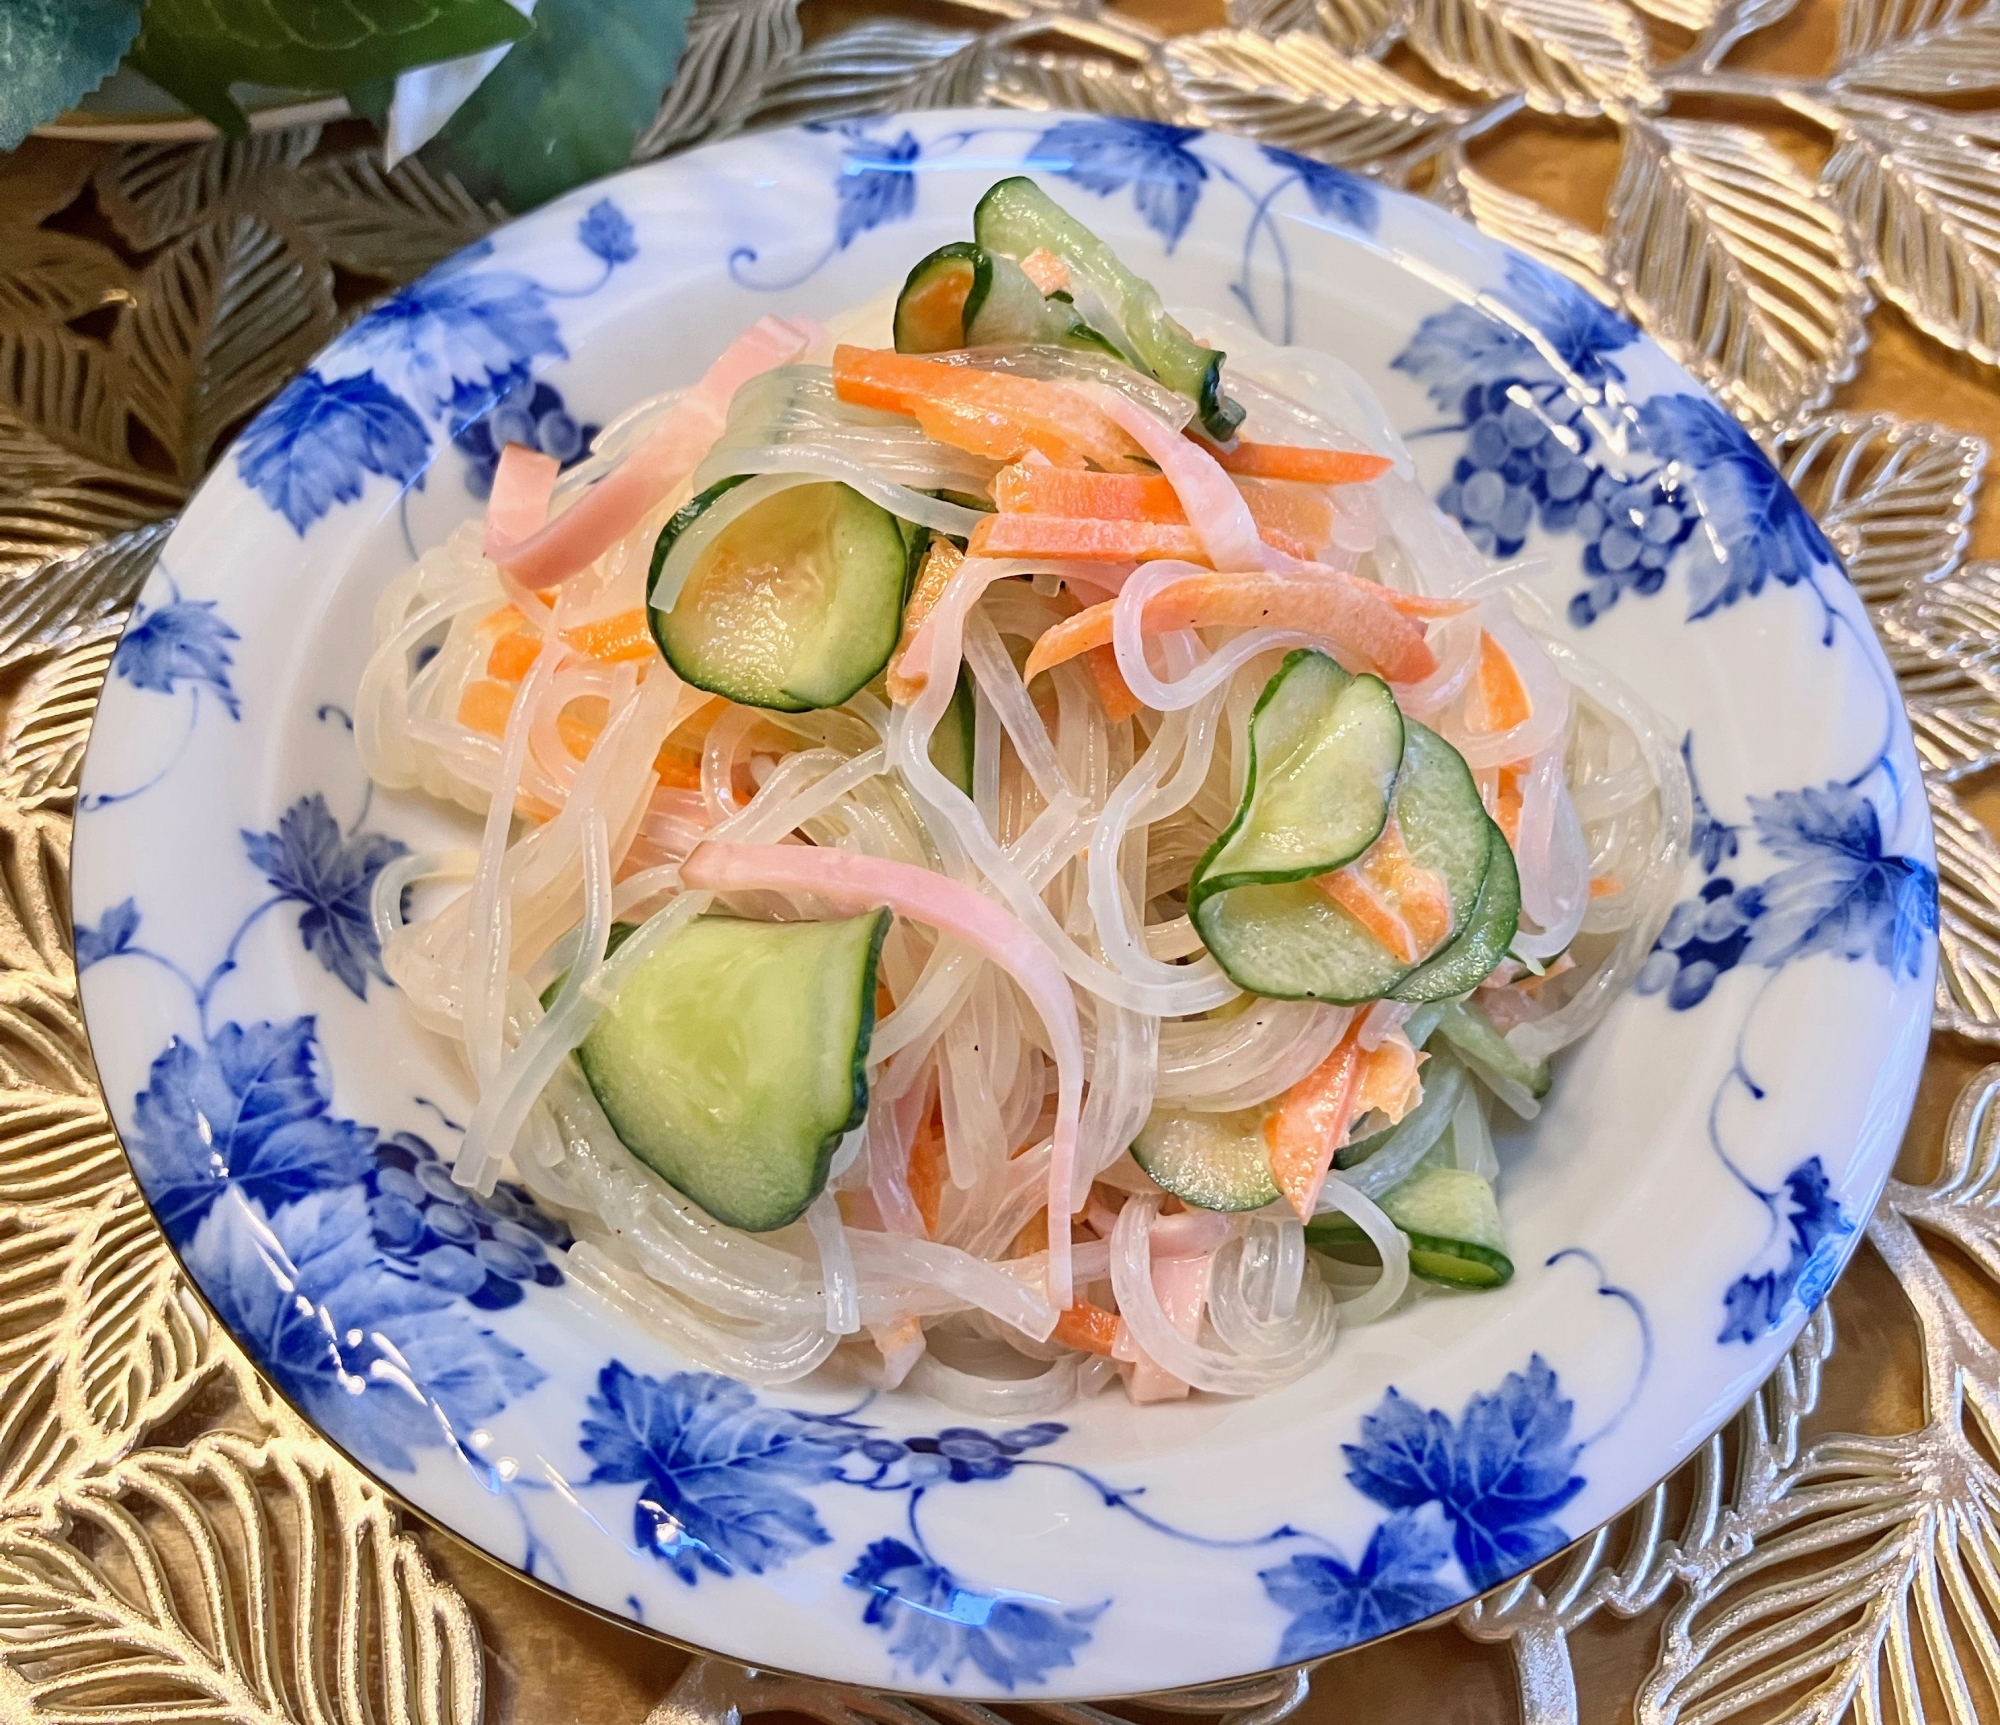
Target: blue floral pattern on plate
(454,346)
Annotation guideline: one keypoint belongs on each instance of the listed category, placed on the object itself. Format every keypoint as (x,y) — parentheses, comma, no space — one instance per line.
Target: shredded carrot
(1606,886)
(1303,1131)
(941,563)
(1293,461)
(926,1171)
(513,655)
(1405,908)
(1047,271)
(1112,689)
(1090,1329)
(988,412)
(1501,698)
(485,705)
(1388,1079)
(622,639)
(1379,918)
(1358,617)
(1507,810)
(1287,515)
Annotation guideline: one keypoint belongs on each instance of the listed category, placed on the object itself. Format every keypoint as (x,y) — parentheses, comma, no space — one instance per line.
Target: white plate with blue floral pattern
(1697,1181)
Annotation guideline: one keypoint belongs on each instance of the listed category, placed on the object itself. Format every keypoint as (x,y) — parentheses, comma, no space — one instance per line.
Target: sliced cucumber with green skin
(1325,749)
(1016,217)
(951,742)
(1469,957)
(1452,1222)
(1291,941)
(734,1059)
(965,296)
(1485,1050)
(794,603)
(1211,1161)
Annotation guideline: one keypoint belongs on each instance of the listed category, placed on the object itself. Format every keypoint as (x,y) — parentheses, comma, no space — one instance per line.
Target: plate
(1697,1180)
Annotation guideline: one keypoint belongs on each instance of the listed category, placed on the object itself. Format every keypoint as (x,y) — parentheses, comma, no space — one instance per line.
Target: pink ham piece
(523,483)
(672,450)
(956,909)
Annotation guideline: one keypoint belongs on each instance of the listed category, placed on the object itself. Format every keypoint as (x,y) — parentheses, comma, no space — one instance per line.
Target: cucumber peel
(1485,1050)
(1210,1161)
(1016,217)
(1452,1221)
(734,1059)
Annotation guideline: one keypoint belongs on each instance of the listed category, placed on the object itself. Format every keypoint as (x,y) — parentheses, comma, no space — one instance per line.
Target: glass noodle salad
(1018,853)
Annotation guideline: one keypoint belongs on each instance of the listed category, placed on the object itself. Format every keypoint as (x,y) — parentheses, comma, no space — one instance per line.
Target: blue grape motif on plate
(487,1250)
(529,411)
(1818,1231)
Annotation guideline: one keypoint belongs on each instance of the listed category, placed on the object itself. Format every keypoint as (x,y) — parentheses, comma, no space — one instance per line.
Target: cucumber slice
(1486,1051)
(1325,748)
(931,309)
(965,296)
(1016,217)
(1468,959)
(1291,941)
(787,596)
(1212,1161)
(734,1059)
(951,742)
(1453,1224)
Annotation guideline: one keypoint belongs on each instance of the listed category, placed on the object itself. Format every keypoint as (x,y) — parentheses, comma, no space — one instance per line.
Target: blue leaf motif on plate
(1467,345)
(719,1470)
(1108,154)
(111,936)
(382,1363)
(486,1249)
(185,641)
(1757,531)
(249,1112)
(605,231)
(1819,1229)
(1333,192)
(1395,1584)
(1841,895)
(309,863)
(877,184)
(934,1622)
(1500,1474)
(522,409)
(311,448)
(458,325)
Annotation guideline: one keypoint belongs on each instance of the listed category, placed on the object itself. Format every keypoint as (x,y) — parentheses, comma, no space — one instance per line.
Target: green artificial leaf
(196,49)
(53,51)
(566,104)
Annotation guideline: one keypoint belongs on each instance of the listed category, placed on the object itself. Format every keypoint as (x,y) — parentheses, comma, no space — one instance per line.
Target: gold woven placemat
(1800,198)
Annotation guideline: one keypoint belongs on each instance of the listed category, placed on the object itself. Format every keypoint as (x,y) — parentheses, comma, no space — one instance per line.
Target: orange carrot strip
(1502,697)
(1073,538)
(1112,689)
(1303,517)
(1294,461)
(1356,616)
(1090,1329)
(1388,1079)
(485,705)
(513,655)
(1047,271)
(621,639)
(1363,900)
(988,412)
(941,563)
(1416,898)
(927,1170)
(1303,1131)
(1606,886)
(1508,811)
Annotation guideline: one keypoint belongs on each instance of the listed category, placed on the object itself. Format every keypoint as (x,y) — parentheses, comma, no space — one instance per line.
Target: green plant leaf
(566,104)
(53,51)
(196,49)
